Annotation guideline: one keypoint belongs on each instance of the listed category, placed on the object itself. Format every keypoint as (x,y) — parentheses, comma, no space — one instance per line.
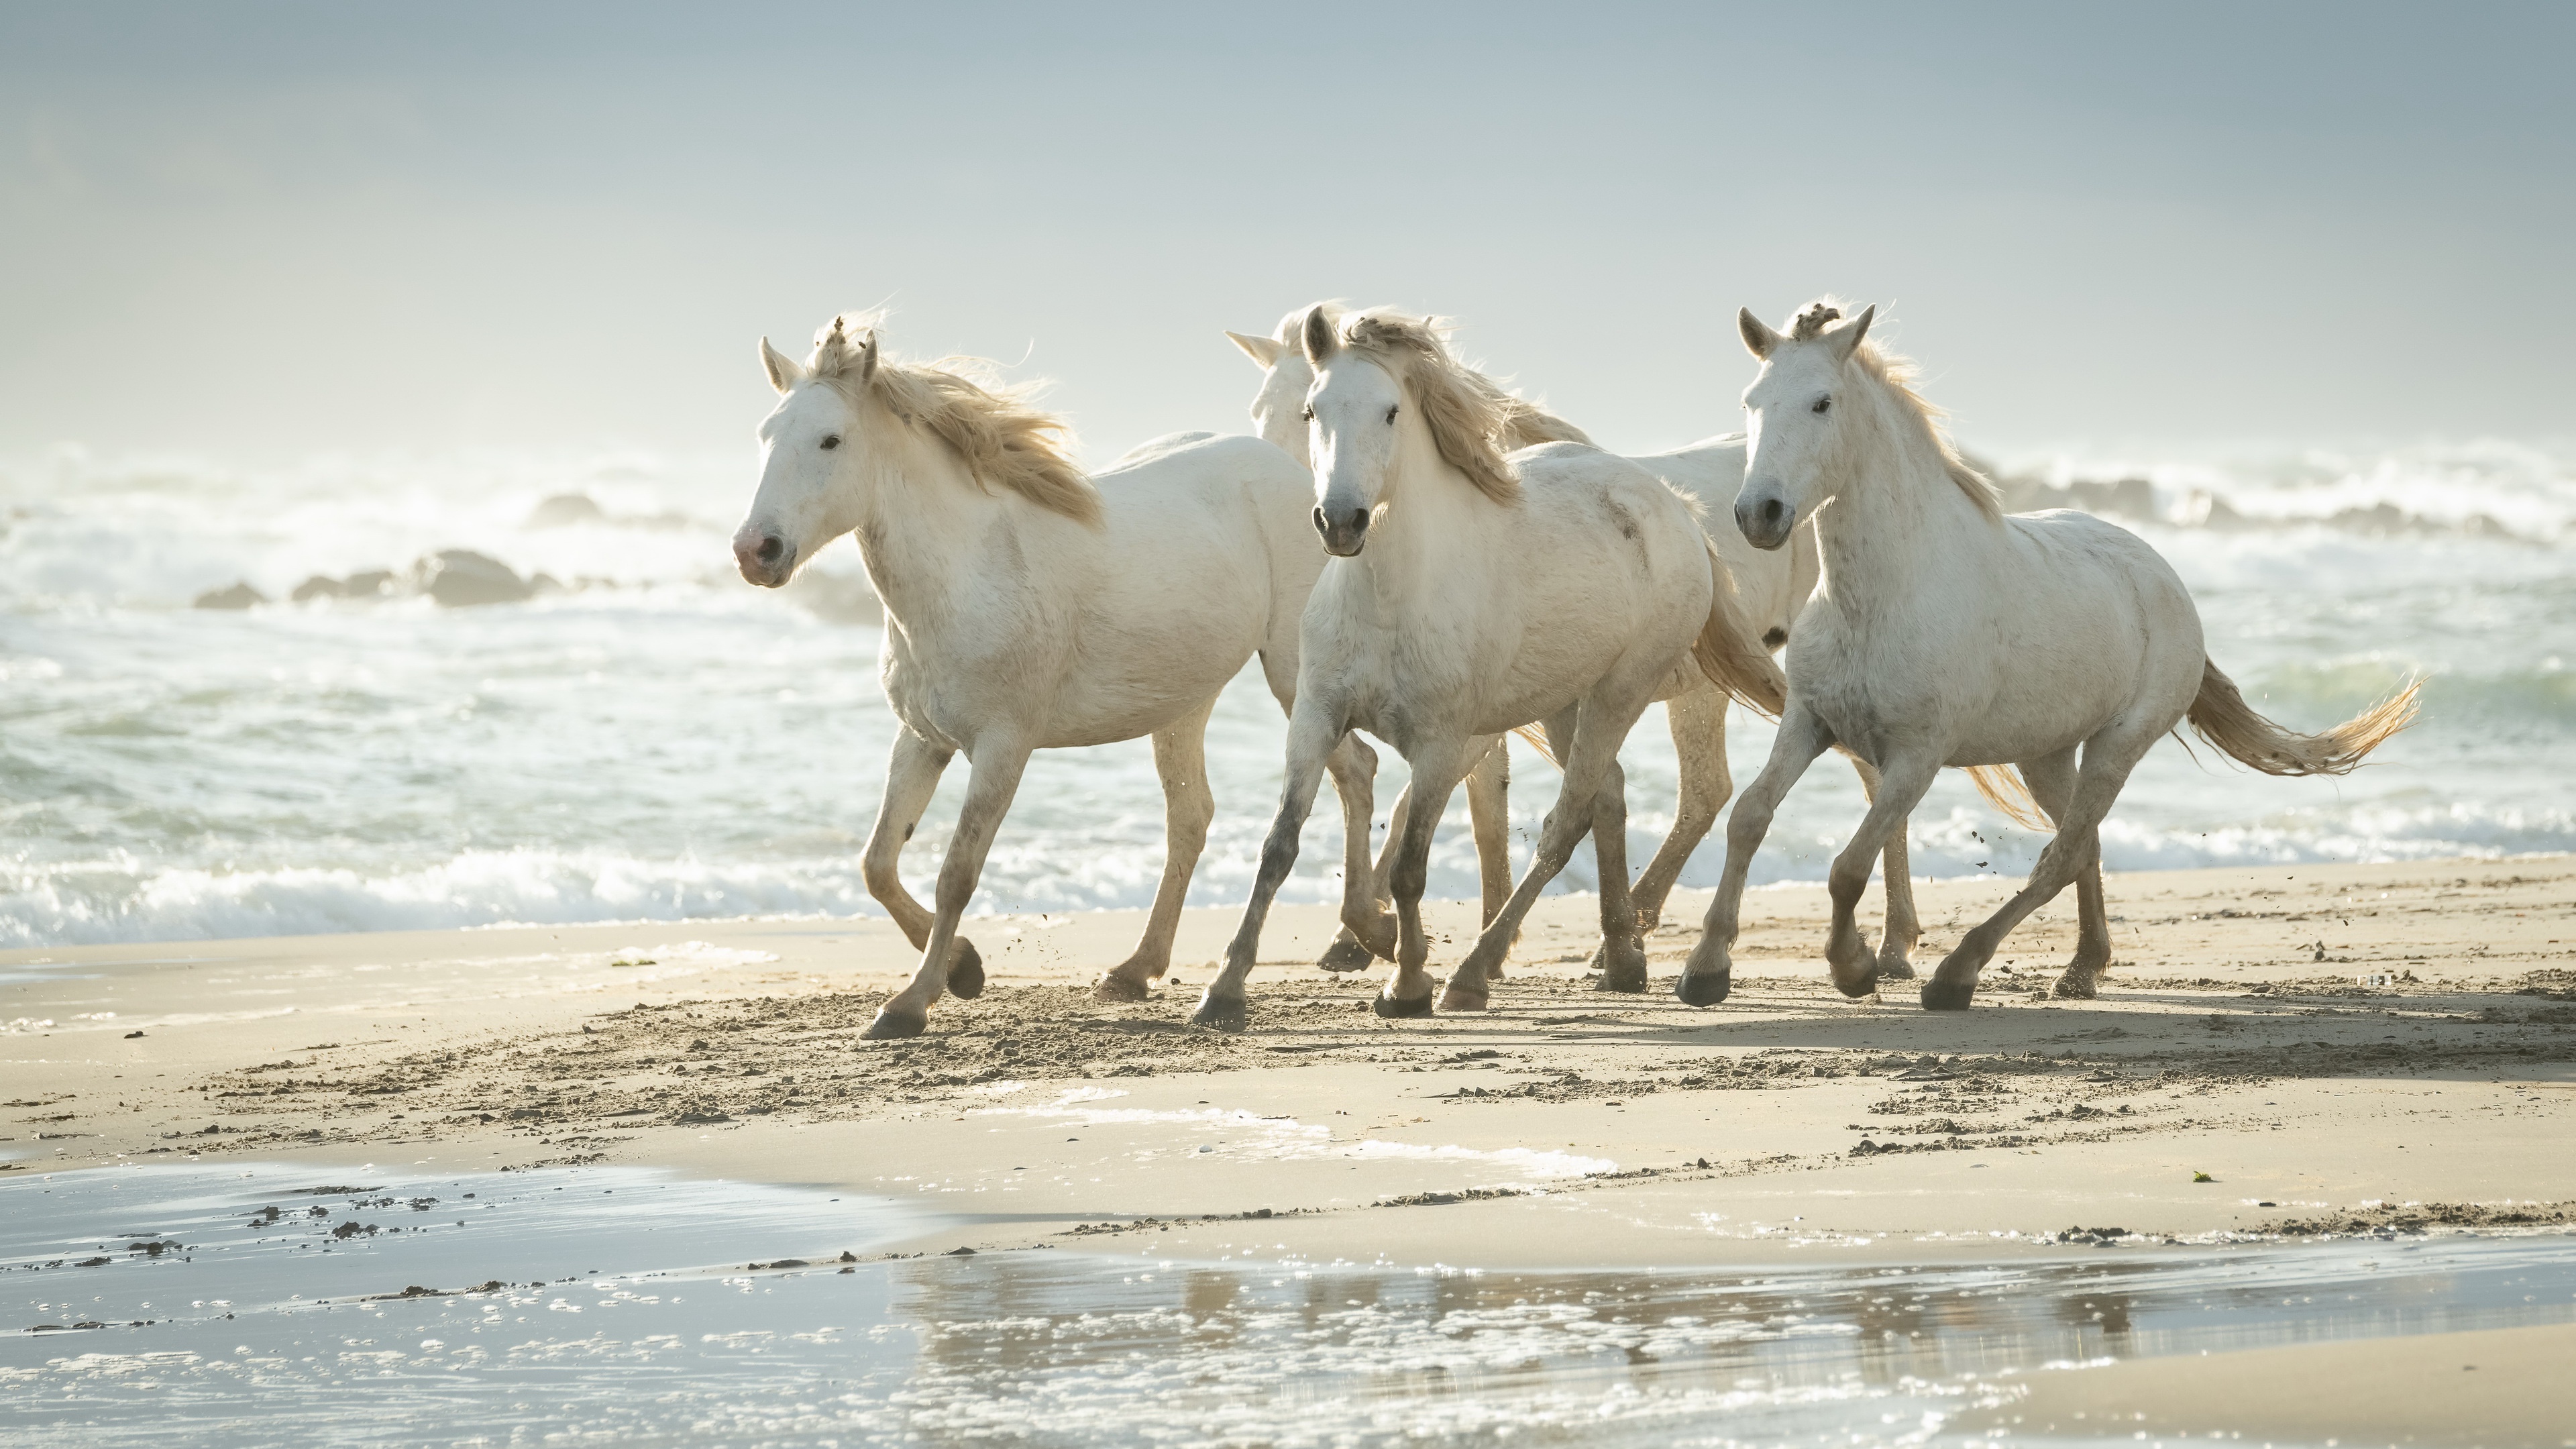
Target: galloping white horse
(1469,595)
(1945,633)
(1770,587)
(1028,609)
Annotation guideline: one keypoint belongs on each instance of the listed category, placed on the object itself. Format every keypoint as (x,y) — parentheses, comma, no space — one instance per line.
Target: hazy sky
(262,230)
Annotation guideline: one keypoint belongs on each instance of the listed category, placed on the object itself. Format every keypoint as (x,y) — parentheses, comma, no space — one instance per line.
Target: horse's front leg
(913,768)
(1903,929)
(994,778)
(1437,766)
(1180,757)
(1315,737)
(1893,796)
(1707,976)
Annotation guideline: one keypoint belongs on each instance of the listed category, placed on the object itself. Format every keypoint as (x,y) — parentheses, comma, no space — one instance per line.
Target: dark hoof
(1458,999)
(895,1021)
(1622,965)
(1703,990)
(1219,1013)
(1113,987)
(1855,987)
(1899,969)
(1346,954)
(965,972)
(1940,995)
(1388,1006)
(2074,987)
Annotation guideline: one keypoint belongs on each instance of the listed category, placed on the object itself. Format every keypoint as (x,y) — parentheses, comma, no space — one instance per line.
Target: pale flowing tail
(2223,718)
(1731,654)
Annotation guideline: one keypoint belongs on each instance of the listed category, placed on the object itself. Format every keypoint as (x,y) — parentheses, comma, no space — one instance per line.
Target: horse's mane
(1525,423)
(963,401)
(1465,412)
(1899,373)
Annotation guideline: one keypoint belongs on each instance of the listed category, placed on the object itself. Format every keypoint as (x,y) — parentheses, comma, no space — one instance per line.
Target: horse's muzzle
(1765,522)
(1343,537)
(764,558)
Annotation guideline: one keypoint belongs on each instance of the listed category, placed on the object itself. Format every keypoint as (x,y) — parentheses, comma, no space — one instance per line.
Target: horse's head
(1793,425)
(1384,379)
(1279,409)
(812,453)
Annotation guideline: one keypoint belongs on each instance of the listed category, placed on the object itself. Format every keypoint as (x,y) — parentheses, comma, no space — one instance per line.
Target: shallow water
(627,1316)
(664,742)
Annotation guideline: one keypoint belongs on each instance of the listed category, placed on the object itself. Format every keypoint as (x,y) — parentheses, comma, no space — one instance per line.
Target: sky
(265,231)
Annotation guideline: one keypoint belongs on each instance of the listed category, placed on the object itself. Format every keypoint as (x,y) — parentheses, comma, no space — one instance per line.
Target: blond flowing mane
(1899,373)
(1002,439)
(1467,413)
(1525,423)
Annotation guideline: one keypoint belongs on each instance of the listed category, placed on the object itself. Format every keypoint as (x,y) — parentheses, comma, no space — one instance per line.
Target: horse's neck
(1436,528)
(1898,524)
(926,534)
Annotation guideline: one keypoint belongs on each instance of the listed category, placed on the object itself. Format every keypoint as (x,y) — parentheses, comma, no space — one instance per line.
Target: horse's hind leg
(994,779)
(1180,757)
(1489,810)
(1903,929)
(2052,784)
(913,768)
(1899,789)
(1698,721)
(2073,854)
(1437,767)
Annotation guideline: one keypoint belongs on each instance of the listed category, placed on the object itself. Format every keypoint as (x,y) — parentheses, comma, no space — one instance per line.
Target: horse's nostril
(1359,519)
(1320,524)
(771,547)
(1770,510)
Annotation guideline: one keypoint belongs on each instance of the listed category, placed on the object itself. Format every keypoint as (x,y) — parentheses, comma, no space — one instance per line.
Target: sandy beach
(2282,1052)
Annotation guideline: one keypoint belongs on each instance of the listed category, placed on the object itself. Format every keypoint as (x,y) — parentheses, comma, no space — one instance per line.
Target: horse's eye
(1822,403)
(831,440)
(1308,414)
(1390,414)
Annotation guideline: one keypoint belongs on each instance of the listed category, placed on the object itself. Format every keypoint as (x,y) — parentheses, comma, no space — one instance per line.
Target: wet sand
(2288,1051)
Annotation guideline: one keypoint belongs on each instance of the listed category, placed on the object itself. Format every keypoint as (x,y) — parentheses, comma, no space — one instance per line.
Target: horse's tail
(2223,718)
(1731,654)
(2004,789)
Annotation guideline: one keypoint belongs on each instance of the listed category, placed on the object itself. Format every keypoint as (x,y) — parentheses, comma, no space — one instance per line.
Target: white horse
(1469,595)
(1770,587)
(1945,633)
(1027,608)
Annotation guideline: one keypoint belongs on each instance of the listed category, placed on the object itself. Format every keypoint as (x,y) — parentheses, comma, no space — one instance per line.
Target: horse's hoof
(1899,969)
(965,973)
(1946,995)
(1346,954)
(896,1020)
(2074,986)
(1703,990)
(1220,1013)
(1622,965)
(1113,987)
(1855,987)
(1463,998)
(1388,1006)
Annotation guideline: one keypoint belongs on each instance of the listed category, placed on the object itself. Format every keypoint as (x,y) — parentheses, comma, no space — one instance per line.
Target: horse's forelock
(1468,422)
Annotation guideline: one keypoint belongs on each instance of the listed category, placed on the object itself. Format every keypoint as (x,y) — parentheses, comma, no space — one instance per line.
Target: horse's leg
(912,775)
(2108,758)
(1893,797)
(1180,757)
(993,778)
(1903,930)
(1698,721)
(2052,784)
(1315,742)
(1489,810)
(1706,977)
(1367,921)
(1437,766)
(1599,727)
(1623,939)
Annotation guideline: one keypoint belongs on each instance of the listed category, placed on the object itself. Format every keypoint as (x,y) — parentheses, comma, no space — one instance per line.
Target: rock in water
(564,510)
(239,596)
(365,584)
(460,578)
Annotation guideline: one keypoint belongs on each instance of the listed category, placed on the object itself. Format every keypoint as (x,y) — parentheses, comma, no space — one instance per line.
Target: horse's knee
(883,880)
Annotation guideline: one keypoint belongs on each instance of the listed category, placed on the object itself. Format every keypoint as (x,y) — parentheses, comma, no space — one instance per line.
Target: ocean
(646,737)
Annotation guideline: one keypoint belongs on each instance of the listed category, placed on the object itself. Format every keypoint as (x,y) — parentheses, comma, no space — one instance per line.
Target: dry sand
(2280,1050)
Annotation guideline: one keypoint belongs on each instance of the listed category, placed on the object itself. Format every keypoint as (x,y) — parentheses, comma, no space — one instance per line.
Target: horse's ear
(1317,337)
(868,358)
(1759,339)
(1846,338)
(782,369)
(1263,351)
